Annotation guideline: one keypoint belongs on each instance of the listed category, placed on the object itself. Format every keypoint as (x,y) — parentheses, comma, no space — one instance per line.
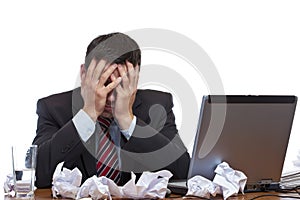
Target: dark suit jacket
(154,144)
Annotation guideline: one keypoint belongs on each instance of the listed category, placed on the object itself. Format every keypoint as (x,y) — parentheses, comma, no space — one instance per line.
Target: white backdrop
(255,46)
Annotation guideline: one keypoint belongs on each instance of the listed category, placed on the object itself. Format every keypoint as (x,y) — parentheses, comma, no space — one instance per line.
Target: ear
(82,70)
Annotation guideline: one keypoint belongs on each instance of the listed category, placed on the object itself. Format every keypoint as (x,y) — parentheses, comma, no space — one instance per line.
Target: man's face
(109,105)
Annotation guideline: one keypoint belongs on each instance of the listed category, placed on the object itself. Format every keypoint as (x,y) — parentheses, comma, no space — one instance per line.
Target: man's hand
(93,89)
(125,94)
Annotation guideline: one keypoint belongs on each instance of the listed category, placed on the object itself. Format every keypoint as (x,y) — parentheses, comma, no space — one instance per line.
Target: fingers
(123,73)
(100,73)
(114,81)
(96,73)
(129,65)
(91,69)
(113,84)
(98,70)
(133,74)
(106,74)
(122,70)
(91,75)
(137,73)
(129,74)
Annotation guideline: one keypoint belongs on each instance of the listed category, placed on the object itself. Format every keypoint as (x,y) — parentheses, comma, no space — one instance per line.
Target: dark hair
(113,48)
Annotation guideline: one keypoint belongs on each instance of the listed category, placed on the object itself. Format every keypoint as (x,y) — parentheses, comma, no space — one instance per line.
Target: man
(108,127)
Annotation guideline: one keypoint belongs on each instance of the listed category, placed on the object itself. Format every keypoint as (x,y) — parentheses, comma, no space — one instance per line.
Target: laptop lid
(250,133)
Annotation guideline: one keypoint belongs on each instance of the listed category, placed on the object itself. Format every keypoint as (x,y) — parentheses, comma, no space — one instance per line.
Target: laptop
(250,133)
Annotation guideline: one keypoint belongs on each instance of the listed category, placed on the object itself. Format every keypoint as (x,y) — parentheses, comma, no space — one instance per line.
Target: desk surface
(45,194)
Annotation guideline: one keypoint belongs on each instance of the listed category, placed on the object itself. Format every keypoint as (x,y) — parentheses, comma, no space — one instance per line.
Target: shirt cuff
(84,125)
(128,132)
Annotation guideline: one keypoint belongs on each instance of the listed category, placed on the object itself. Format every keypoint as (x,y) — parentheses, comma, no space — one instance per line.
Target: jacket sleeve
(57,141)
(155,143)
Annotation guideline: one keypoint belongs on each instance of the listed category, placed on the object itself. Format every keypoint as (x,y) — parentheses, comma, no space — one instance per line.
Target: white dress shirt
(85,126)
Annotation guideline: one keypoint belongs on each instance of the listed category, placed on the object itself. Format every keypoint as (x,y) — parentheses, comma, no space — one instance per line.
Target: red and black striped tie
(107,164)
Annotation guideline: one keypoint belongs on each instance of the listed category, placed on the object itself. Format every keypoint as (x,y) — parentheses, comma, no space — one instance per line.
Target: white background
(255,46)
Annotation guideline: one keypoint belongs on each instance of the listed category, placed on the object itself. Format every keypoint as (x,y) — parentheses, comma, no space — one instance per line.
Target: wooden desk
(45,194)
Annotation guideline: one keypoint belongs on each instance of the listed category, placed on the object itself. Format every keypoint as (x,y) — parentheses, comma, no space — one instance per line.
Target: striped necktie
(107,164)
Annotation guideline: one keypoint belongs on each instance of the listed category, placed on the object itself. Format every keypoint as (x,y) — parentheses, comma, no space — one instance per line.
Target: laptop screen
(250,133)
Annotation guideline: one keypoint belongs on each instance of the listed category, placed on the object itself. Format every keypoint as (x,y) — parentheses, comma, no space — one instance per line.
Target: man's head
(113,48)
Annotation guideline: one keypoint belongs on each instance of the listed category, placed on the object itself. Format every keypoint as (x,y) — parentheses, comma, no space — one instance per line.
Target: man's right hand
(93,89)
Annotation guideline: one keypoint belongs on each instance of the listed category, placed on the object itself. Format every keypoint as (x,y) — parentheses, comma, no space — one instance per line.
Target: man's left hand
(125,94)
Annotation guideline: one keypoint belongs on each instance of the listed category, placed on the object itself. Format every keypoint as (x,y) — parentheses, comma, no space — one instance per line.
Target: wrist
(91,113)
(124,121)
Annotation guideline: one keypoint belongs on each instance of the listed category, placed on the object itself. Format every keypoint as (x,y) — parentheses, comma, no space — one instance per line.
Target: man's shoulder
(142,94)
(60,95)
(63,102)
(153,97)
(62,99)
(153,93)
